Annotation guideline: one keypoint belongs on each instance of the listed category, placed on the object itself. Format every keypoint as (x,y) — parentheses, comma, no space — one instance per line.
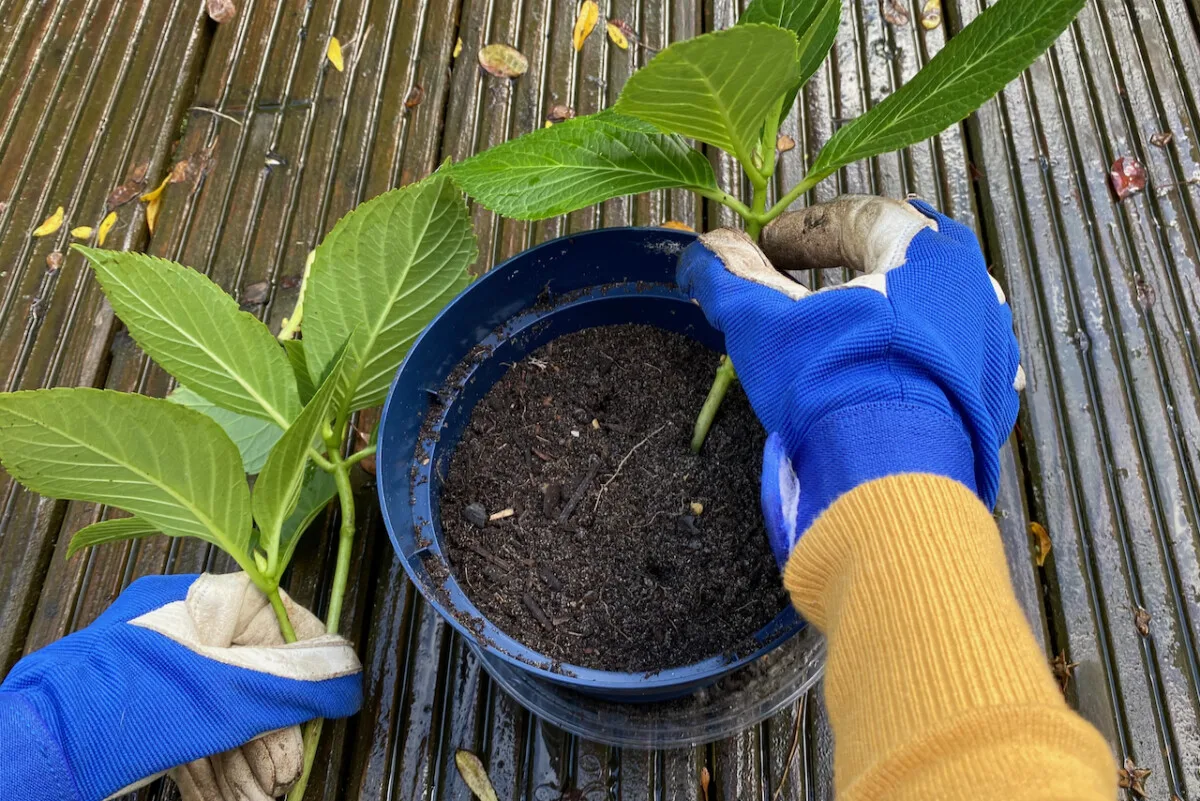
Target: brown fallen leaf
(785,143)
(334,53)
(82,232)
(221,11)
(895,13)
(127,191)
(1041,541)
(457,47)
(1141,621)
(677,225)
(195,166)
(503,61)
(559,113)
(1128,177)
(474,774)
(255,294)
(53,261)
(1161,139)
(415,96)
(705,778)
(1133,778)
(585,20)
(931,14)
(617,36)
(105,226)
(1062,670)
(51,223)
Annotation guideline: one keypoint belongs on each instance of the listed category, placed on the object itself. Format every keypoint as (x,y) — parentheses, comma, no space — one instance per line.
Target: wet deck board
(1105,295)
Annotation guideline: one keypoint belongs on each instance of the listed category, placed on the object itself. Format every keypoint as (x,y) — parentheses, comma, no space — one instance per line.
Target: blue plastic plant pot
(605,277)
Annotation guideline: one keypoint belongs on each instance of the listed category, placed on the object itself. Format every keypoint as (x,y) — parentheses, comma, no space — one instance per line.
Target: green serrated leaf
(718,87)
(196,332)
(974,65)
(381,274)
(304,382)
(815,23)
(318,489)
(253,436)
(278,485)
(115,530)
(578,163)
(168,464)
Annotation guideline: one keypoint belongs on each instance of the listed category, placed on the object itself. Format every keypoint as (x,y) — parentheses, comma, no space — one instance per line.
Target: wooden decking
(1106,297)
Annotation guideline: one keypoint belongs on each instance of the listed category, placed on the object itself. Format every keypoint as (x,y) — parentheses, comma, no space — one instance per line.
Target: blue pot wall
(604,277)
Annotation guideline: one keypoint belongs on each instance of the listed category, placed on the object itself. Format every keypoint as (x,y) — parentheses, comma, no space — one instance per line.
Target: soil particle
(611,569)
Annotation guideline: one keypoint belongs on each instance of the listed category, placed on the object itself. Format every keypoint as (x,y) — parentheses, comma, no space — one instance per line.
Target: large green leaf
(304,383)
(318,489)
(194,330)
(815,23)
(718,87)
(973,66)
(115,530)
(168,464)
(381,274)
(278,485)
(580,162)
(253,436)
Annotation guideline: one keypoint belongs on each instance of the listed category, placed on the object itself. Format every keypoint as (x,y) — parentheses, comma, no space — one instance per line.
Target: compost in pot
(579,521)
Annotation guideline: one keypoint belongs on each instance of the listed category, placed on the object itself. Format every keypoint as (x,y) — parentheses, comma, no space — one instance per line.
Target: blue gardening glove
(912,367)
(178,670)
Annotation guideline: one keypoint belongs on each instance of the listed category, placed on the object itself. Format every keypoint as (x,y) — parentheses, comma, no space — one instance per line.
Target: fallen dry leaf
(704,780)
(1062,670)
(105,226)
(1161,139)
(255,294)
(415,96)
(617,36)
(677,225)
(457,48)
(334,53)
(503,61)
(152,209)
(931,14)
(1041,541)
(156,192)
(195,166)
(895,13)
(1141,621)
(1133,778)
(51,223)
(54,261)
(1128,177)
(586,17)
(82,232)
(473,773)
(784,143)
(221,11)
(625,28)
(548,124)
(559,113)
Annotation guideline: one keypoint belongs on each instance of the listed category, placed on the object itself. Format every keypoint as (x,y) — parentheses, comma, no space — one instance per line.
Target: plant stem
(312,736)
(292,324)
(355,458)
(726,199)
(725,376)
(799,189)
(285,623)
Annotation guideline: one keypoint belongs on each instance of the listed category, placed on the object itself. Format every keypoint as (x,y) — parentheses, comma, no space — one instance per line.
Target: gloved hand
(912,367)
(177,670)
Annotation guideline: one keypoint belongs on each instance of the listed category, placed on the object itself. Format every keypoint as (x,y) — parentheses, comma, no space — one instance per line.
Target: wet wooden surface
(1105,294)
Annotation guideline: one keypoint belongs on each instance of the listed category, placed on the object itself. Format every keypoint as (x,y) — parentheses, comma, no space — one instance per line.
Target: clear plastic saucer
(735,702)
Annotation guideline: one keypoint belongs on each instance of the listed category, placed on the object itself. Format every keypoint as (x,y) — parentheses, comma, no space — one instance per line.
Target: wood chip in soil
(628,578)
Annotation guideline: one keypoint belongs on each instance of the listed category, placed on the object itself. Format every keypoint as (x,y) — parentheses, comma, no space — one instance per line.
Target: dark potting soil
(579,521)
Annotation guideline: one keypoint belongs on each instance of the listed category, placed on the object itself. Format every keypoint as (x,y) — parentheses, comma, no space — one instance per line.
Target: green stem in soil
(725,377)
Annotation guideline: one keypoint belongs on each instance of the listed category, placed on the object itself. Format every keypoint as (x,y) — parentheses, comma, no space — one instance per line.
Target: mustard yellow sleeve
(935,686)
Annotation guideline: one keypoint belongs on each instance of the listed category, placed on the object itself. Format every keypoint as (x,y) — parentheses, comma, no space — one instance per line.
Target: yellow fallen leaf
(51,223)
(618,38)
(473,773)
(457,48)
(1042,541)
(152,213)
(82,232)
(585,21)
(334,54)
(931,14)
(678,226)
(156,192)
(785,143)
(503,61)
(548,124)
(106,226)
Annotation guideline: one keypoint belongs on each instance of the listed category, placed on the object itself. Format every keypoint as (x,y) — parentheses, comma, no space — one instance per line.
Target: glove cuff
(861,443)
(32,765)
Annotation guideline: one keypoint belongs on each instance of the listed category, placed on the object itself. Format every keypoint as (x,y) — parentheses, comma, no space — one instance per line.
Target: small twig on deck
(537,612)
(604,486)
(800,712)
(216,113)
